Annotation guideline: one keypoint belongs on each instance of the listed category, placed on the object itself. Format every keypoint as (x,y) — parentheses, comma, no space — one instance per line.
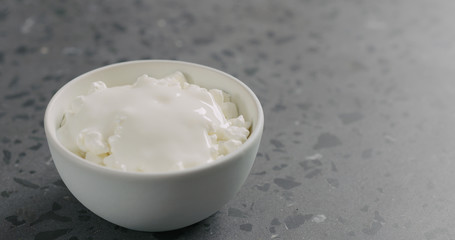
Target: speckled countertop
(358,99)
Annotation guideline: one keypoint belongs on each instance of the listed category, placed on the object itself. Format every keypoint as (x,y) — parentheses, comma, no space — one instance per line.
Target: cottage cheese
(153,125)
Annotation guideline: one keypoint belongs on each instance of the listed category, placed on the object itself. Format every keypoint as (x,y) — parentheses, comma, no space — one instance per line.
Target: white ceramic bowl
(155,201)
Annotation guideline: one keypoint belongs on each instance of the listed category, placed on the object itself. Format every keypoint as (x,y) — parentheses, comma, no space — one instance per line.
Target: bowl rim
(255,135)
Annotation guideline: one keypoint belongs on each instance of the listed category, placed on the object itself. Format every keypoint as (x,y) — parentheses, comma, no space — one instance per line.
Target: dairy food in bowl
(155,201)
(152,125)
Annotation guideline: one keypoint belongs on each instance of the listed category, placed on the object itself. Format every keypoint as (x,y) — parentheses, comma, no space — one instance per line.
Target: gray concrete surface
(358,98)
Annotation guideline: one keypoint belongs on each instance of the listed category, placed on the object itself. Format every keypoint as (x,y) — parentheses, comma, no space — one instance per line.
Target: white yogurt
(153,125)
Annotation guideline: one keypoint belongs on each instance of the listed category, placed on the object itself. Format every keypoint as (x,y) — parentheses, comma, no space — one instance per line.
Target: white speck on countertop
(316,156)
(28,25)
(44,50)
(390,139)
(319,218)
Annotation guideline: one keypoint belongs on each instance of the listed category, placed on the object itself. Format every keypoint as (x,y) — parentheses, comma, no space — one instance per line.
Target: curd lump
(153,125)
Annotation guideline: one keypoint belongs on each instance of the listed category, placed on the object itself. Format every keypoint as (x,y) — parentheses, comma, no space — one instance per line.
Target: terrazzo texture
(358,99)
